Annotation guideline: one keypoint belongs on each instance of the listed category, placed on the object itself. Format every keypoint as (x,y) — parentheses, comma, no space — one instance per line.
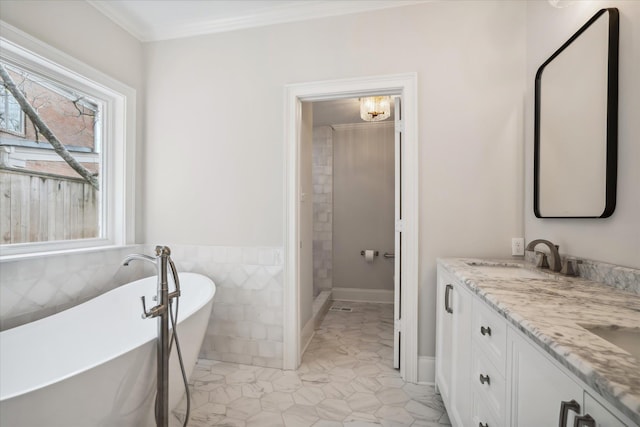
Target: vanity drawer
(489,331)
(489,384)
(482,415)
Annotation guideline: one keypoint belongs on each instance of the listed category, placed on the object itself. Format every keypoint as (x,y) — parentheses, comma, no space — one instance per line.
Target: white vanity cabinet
(543,394)
(538,388)
(490,374)
(453,347)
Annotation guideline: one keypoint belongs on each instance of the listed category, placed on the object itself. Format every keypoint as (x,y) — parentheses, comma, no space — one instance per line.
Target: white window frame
(118,139)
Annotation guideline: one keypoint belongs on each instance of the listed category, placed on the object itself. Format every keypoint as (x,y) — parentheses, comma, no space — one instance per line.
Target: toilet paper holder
(376,253)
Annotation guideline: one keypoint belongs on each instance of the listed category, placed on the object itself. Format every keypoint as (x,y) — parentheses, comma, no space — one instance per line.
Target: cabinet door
(461,403)
(453,347)
(538,387)
(444,335)
(600,414)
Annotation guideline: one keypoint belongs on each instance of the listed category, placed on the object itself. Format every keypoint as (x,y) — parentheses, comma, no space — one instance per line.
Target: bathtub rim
(126,349)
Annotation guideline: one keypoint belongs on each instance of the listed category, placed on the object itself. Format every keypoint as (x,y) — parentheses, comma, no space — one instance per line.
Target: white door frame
(405,85)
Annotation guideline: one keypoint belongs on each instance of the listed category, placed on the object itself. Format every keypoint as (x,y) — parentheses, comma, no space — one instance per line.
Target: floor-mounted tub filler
(95,364)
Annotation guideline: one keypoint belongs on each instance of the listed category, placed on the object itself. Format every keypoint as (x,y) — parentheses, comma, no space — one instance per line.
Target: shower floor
(346,379)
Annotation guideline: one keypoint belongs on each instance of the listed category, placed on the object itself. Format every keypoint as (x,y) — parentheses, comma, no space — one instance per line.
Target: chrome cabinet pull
(565,407)
(447,306)
(584,421)
(485,379)
(485,331)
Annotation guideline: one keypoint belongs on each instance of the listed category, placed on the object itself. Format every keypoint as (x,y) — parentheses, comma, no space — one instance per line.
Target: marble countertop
(553,312)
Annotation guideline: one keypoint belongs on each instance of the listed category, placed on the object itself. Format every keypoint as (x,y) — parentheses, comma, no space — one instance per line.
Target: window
(11,116)
(66,162)
(50,196)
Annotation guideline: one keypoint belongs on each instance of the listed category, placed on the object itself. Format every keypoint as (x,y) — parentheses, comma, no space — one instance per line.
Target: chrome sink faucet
(556,263)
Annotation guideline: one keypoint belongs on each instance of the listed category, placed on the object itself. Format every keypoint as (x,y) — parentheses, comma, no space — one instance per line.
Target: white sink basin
(627,339)
(508,271)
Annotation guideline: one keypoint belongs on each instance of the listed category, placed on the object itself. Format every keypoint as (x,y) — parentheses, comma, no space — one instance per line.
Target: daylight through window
(50,164)
(11,116)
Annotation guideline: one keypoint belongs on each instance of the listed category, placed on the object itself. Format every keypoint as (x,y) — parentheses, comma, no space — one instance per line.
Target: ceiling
(154,20)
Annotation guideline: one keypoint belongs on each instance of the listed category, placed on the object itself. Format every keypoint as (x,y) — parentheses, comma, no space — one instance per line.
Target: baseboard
(306,335)
(362,295)
(321,306)
(426,370)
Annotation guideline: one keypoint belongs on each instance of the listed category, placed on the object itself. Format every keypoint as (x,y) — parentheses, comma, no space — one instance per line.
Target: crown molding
(290,12)
(121,18)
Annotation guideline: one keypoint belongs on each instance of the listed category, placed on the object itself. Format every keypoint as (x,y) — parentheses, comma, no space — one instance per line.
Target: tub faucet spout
(141,257)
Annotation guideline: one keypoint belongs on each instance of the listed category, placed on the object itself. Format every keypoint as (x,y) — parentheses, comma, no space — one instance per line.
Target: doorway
(404,85)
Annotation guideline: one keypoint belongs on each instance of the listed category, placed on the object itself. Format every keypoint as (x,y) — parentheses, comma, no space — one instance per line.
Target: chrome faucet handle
(570,267)
(541,260)
(153,312)
(145,314)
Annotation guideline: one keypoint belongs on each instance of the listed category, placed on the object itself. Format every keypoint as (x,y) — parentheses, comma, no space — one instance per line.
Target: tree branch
(45,131)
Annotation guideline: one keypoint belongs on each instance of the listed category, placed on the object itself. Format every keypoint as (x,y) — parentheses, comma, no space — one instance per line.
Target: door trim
(398,124)
(405,85)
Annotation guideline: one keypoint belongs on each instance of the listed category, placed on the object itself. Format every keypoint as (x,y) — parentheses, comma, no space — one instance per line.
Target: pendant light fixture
(375,108)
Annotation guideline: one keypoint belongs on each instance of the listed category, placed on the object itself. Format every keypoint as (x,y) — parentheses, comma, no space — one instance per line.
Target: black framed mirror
(576,124)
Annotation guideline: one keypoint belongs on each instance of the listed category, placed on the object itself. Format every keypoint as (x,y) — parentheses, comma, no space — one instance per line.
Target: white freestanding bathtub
(95,364)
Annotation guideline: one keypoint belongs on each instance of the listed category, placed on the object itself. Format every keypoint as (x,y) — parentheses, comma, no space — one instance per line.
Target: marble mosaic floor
(345,379)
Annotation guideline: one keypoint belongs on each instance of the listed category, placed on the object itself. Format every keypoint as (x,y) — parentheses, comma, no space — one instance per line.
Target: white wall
(363,204)
(215,125)
(615,239)
(79,30)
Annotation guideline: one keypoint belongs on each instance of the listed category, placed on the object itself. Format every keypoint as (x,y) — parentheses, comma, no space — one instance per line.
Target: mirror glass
(576,102)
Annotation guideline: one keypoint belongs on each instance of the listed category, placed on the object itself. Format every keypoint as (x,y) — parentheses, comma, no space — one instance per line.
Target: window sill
(62,252)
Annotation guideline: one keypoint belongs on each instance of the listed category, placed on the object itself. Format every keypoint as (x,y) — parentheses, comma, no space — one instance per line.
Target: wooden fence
(40,207)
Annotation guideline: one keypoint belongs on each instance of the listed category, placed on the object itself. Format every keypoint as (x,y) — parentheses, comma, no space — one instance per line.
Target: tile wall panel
(37,287)
(322,175)
(246,321)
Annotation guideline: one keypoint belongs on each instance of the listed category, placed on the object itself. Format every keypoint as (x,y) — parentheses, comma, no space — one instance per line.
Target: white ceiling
(154,20)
